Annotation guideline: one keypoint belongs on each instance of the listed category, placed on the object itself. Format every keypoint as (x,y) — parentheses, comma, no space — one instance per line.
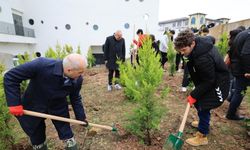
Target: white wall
(5,14)
(6,60)
(109,15)
(15,48)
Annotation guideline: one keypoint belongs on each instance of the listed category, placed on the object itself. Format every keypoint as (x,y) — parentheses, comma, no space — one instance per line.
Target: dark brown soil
(109,108)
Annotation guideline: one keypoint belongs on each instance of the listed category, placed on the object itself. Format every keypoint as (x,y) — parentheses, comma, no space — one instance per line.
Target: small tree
(68,48)
(6,133)
(91,59)
(141,82)
(50,53)
(171,57)
(78,51)
(222,45)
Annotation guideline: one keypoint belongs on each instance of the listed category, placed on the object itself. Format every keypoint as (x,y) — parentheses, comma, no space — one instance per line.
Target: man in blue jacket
(51,81)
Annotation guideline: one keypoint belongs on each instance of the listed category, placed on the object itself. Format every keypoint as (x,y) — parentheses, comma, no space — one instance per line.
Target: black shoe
(235,117)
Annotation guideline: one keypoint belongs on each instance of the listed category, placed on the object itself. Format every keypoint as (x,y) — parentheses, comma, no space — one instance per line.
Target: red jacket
(140,40)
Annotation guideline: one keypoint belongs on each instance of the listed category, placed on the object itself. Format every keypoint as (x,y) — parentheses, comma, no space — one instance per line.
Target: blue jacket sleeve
(76,101)
(15,76)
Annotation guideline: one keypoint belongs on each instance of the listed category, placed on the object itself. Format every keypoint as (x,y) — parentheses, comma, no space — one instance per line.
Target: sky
(235,10)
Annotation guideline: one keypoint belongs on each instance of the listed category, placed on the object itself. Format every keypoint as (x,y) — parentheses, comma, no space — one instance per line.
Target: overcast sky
(234,9)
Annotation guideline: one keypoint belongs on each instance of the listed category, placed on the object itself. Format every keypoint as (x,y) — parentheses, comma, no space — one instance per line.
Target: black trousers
(186,79)
(164,58)
(110,76)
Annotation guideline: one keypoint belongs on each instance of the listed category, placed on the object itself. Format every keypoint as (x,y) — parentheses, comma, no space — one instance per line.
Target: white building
(34,25)
(195,20)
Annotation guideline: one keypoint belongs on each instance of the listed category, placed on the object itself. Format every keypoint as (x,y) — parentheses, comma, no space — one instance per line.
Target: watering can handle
(184,118)
(46,116)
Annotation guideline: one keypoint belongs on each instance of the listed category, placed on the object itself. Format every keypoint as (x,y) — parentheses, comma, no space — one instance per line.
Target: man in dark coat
(114,50)
(210,76)
(240,66)
(51,81)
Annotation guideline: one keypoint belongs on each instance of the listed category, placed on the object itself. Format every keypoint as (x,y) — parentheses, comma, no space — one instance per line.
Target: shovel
(46,116)
(174,141)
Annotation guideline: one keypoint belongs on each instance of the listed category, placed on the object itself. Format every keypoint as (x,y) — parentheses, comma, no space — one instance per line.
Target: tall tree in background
(222,45)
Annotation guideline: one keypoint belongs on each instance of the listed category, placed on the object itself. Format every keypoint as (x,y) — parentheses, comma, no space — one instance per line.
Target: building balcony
(11,33)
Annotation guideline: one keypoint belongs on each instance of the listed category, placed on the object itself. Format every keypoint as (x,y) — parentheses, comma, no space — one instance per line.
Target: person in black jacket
(210,76)
(240,67)
(231,57)
(114,50)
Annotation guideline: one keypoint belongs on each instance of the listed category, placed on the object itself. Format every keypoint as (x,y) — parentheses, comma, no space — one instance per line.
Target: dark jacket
(47,89)
(233,54)
(241,63)
(114,50)
(209,74)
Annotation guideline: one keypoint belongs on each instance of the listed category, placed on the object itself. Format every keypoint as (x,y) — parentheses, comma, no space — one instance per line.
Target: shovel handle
(52,117)
(184,118)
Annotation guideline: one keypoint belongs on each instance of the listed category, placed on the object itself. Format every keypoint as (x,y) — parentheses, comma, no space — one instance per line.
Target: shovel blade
(173,142)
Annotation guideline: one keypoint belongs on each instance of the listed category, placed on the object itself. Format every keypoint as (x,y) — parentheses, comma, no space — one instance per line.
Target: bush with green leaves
(6,133)
(222,45)
(78,51)
(61,52)
(140,84)
(90,58)
(50,53)
(171,57)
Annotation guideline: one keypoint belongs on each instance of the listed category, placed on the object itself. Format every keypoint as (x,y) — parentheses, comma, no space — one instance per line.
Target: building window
(174,24)
(126,25)
(193,20)
(56,27)
(42,22)
(202,20)
(67,26)
(95,27)
(87,23)
(141,0)
(186,23)
(179,23)
(18,23)
(31,21)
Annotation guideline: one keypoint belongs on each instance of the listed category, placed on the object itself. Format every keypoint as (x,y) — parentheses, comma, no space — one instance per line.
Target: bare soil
(107,108)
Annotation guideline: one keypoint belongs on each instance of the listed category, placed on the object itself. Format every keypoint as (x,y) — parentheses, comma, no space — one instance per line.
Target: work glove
(16,110)
(191,100)
(86,123)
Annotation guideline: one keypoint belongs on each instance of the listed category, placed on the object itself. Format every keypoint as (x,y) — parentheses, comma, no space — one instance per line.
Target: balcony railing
(8,28)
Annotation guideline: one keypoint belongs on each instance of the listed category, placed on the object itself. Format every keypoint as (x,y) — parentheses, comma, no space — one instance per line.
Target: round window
(126,25)
(56,27)
(95,27)
(42,22)
(31,21)
(67,26)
